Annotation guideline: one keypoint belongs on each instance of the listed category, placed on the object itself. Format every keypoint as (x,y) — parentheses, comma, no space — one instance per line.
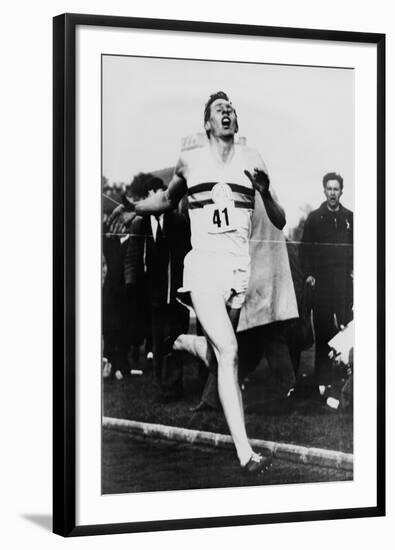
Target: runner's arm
(260,181)
(274,210)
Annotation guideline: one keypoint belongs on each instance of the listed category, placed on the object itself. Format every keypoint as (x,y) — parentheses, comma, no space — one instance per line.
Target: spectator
(118,310)
(154,261)
(342,355)
(327,261)
(115,306)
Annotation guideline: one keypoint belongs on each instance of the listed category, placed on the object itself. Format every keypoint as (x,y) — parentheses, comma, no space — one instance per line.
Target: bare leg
(211,311)
(234,315)
(198,346)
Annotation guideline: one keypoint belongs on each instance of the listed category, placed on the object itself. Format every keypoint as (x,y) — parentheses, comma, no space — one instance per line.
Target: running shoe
(258,464)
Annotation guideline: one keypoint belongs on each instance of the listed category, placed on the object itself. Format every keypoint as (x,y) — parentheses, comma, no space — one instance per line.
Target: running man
(220,181)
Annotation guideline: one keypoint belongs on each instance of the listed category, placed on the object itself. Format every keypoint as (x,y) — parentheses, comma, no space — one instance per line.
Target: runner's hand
(260,180)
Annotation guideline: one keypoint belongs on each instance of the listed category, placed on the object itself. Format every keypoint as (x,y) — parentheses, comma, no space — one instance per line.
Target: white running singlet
(220,201)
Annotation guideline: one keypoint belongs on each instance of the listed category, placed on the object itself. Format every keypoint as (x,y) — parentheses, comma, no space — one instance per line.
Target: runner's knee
(227,351)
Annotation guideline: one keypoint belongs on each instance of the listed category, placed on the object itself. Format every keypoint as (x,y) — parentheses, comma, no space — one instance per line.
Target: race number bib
(220,217)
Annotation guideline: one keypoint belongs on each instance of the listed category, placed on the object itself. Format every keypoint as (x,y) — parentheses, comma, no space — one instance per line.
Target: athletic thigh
(210,309)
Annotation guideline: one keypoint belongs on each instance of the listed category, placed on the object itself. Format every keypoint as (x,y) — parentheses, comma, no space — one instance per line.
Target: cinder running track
(133,464)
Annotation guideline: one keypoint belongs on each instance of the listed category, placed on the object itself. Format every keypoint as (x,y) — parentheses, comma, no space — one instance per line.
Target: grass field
(131,465)
(302,421)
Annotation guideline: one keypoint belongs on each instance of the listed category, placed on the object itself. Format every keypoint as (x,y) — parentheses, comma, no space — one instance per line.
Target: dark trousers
(117,317)
(324,328)
(332,307)
(269,340)
(115,350)
(278,356)
(168,320)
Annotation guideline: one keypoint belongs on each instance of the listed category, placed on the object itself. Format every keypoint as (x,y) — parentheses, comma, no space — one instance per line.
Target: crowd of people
(212,241)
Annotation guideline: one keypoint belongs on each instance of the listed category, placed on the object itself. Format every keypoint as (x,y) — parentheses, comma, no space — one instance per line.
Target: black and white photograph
(227,274)
(196,252)
(219,192)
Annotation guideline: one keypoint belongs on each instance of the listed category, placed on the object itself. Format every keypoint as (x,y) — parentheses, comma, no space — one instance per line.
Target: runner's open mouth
(226,122)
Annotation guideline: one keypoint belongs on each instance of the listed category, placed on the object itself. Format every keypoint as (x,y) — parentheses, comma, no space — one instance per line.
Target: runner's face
(222,121)
(333,193)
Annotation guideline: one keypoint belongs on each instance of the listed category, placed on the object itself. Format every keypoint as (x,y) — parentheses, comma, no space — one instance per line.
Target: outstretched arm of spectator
(166,200)
(163,201)
(160,202)
(119,220)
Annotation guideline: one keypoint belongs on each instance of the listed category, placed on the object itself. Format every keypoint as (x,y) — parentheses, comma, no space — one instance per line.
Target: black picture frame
(64,272)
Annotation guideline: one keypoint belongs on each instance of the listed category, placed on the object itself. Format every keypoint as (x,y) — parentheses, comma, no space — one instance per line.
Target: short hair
(142,184)
(210,101)
(332,176)
(155,184)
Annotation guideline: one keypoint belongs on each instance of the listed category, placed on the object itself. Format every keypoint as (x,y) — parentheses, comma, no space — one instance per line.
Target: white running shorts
(217,272)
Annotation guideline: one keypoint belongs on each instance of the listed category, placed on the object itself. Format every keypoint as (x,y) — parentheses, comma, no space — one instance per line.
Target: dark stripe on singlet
(238,204)
(200,187)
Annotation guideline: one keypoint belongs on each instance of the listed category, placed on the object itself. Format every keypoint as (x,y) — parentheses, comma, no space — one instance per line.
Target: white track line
(285,451)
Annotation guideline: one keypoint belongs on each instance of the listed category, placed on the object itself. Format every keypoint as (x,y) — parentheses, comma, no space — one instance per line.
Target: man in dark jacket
(327,261)
(119,325)
(154,266)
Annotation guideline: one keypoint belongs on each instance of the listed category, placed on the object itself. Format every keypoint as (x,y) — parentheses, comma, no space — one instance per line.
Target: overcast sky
(300,119)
